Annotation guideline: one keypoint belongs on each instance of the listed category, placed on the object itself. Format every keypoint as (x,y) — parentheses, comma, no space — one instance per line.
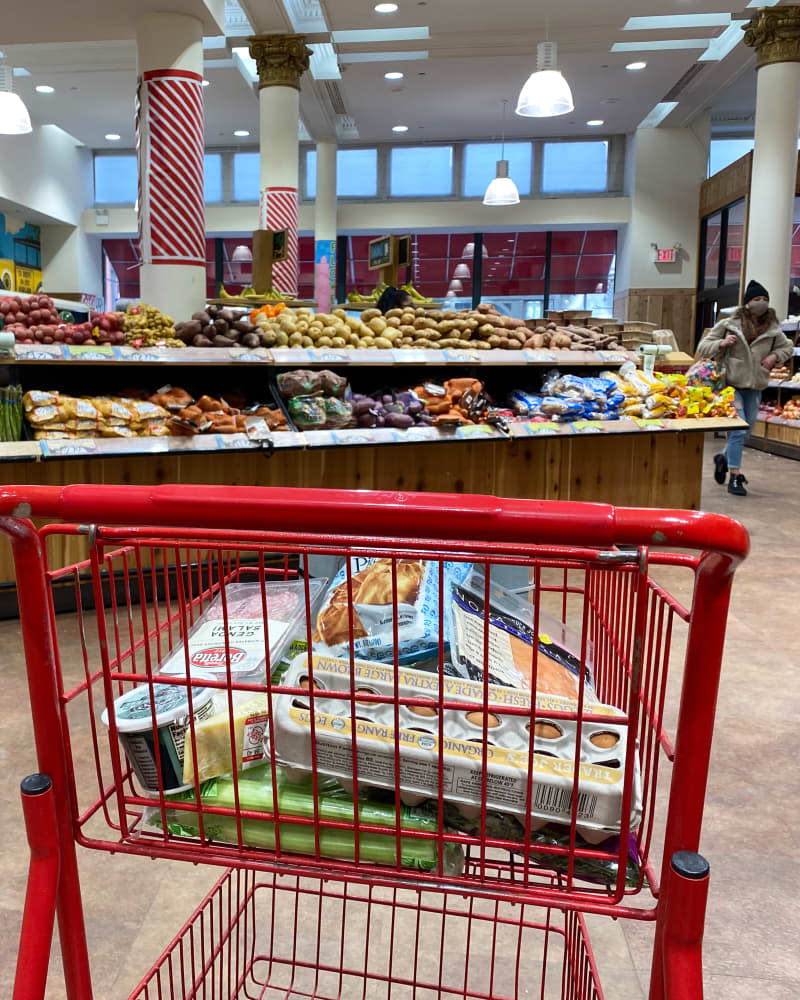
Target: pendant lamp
(461,271)
(502,190)
(546,93)
(242,254)
(469,251)
(14,117)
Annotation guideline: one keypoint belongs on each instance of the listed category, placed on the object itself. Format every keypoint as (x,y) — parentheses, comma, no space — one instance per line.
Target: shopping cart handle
(384,513)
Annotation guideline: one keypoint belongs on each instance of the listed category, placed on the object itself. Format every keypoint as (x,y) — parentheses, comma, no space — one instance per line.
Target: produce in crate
(218,326)
(146,326)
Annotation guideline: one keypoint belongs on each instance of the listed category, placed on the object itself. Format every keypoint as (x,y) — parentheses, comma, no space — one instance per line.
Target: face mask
(758,308)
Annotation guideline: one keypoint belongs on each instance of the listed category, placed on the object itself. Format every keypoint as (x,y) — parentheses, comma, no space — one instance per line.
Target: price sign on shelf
(86,352)
(538,357)
(331,357)
(409,356)
(291,355)
(249,357)
(149,357)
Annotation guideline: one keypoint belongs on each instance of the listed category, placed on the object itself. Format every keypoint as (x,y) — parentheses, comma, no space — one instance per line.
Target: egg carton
(601,755)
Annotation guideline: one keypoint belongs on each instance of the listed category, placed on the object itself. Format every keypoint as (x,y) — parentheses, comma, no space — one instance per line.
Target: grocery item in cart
(600,756)
(255,795)
(235,633)
(510,641)
(161,720)
(379,586)
(212,737)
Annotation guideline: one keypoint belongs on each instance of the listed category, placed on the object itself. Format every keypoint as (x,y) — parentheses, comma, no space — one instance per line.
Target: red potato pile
(36,321)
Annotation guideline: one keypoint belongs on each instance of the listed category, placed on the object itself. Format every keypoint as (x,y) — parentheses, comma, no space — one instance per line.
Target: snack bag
(373,609)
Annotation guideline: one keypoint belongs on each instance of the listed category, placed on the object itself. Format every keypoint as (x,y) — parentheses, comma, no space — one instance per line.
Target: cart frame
(425,522)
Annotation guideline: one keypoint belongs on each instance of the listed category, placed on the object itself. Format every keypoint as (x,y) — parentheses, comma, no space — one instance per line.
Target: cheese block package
(235,634)
(212,738)
(510,641)
(382,590)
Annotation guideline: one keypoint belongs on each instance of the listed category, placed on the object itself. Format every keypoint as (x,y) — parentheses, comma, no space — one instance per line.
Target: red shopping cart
(422,735)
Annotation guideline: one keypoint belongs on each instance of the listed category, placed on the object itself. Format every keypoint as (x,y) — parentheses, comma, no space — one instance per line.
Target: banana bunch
(251,293)
(415,295)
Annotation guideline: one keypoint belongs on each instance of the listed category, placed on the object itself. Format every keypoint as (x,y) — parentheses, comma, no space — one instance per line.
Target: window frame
(310,147)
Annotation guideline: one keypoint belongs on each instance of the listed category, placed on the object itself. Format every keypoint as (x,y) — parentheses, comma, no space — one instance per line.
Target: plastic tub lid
(133,712)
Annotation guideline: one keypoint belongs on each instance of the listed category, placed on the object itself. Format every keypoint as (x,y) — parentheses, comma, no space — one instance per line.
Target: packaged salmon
(510,641)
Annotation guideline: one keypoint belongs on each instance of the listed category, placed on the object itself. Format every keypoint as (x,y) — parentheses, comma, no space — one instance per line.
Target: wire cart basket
(424,737)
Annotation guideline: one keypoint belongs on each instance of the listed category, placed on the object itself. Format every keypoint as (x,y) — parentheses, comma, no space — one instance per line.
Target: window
(356,173)
(212,176)
(575,166)
(421,171)
(713,234)
(246,176)
(724,152)
(734,244)
(480,164)
(116,180)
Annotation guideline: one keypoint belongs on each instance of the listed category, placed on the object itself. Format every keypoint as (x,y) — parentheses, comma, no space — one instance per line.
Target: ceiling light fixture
(595,122)
(546,93)
(399,128)
(241,133)
(206,83)
(385,8)
(636,65)
(502,190)
(14,117)
(658,114)
(113,136)
(394,75)
(469,251)
(45,88)
(461,271)
(242,254)
(456,286)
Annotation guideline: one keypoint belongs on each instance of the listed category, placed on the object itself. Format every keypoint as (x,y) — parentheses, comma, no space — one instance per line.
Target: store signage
(664,255)
(735,255)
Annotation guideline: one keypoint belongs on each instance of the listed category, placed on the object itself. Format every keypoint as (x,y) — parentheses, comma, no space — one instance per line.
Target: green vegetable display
(11,413)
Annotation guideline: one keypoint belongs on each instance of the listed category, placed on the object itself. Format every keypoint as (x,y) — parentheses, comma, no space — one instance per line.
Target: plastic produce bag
(297,799)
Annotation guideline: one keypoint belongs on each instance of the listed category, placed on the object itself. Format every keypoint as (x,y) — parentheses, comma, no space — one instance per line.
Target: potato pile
(572,338)
(146,326)
(305,328)
(217,326)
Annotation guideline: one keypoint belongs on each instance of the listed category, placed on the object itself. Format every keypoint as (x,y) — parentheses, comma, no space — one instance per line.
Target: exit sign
(665,256)
(735,255)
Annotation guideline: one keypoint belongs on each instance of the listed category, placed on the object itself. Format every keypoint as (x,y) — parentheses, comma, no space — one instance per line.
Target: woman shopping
(748,345)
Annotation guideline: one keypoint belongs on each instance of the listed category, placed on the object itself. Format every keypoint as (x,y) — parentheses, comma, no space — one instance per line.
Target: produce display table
(650,463)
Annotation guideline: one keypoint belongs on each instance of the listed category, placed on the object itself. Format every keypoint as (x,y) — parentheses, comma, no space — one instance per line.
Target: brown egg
(604,740)
(546,731)
(362,701)
(476,718)
(305,684)
(424,710)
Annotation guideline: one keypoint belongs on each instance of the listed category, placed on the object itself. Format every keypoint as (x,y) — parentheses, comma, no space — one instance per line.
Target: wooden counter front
(660,469)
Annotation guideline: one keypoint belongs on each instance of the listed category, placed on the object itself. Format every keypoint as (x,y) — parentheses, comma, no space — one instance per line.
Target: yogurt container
(134,718)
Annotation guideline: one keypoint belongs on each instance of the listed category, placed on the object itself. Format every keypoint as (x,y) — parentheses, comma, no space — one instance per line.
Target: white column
(169,50)
(772,184)
(325,227)
(775,35)
(281,61)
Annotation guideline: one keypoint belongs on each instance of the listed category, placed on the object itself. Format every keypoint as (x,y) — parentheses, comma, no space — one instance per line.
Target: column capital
(775,35)
(281,59)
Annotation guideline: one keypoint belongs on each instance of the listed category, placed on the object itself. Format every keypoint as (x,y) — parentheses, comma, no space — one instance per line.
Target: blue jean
(746,402)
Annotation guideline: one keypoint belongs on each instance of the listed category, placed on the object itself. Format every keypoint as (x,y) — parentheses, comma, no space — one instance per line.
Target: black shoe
(720,468)
(736,485)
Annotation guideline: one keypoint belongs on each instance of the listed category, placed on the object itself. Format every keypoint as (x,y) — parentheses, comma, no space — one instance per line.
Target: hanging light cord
(503,133)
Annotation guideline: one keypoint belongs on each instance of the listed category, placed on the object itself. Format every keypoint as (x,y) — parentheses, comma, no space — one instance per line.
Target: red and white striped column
(169,135)
(281,61)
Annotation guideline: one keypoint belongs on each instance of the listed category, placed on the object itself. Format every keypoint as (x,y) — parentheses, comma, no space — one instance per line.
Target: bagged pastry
(373,609)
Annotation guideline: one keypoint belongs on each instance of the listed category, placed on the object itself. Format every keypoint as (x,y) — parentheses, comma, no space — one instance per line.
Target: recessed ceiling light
(636,65)
(113,137)
(206,83)
(661,22)
(44,88)
(395,75)
(241,133)
(594,122)
(385,8)
(399,128)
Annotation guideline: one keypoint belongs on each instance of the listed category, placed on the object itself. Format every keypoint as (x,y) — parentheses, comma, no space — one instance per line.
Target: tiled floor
(133,906)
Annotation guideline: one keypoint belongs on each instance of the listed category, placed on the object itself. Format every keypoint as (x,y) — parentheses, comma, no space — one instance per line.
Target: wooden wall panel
(647,470)
(727,186)
(669,308)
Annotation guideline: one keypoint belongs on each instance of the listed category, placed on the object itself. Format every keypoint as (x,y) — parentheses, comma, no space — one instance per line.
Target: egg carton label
(512,776)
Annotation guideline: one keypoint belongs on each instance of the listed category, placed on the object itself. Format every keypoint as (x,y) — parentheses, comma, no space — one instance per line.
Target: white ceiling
(479,55)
